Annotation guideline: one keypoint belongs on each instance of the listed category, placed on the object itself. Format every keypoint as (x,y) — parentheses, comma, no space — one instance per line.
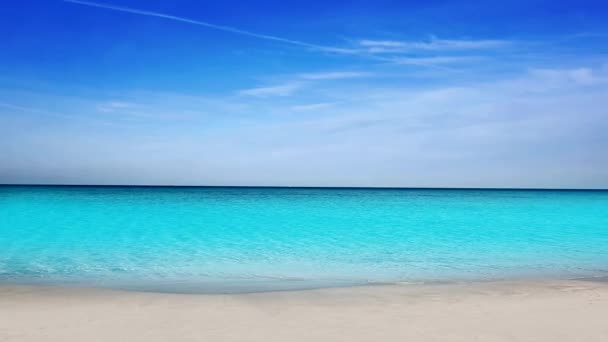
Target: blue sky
(305,93)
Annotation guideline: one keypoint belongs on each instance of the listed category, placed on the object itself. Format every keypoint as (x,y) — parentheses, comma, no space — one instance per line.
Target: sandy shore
(500,311)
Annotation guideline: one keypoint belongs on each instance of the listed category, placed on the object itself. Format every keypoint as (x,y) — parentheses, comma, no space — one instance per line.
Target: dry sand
(501,311)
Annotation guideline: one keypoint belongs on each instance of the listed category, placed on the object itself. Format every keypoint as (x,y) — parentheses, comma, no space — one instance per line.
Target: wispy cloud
(334,75)
(433,44)
(580,76)
(369,49)
(396,131)
(214,26)
(433,52)
(115,105)
(300,81)
(435,60)
(278,90)
(20,108)
(312,107)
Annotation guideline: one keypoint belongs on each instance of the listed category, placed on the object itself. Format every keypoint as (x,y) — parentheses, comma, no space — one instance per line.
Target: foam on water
(250,239)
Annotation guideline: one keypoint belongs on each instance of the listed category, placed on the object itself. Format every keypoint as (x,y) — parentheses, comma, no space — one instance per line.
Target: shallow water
(252,239)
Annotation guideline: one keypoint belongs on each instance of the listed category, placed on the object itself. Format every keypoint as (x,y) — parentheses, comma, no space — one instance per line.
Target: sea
(249,239)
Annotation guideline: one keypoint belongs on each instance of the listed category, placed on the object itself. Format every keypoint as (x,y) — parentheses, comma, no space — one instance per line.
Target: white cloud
(334,75)
(312,107)
(28,109)
(582,76)
(300,80)
(286,89)
(19,108)
(434,44)
(542,128)
(435,60)
(115,105)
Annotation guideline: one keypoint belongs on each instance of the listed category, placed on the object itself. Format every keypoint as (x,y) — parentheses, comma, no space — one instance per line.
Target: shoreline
(531,310)
(239,287)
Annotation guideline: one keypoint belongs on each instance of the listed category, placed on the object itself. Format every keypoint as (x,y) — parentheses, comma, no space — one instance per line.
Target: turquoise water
(249,239)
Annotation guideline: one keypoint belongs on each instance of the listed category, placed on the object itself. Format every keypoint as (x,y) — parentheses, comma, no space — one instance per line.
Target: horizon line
(301,187)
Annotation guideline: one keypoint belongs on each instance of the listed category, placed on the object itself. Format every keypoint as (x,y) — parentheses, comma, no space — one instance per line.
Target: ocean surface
(205,239)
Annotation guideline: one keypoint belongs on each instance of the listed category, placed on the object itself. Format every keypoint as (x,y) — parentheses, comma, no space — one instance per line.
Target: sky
(305,93)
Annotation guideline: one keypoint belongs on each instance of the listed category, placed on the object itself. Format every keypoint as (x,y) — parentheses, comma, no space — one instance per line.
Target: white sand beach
(539,311)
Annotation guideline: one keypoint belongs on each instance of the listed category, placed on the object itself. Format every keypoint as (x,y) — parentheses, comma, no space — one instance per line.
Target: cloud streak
(434,44)
(214,26)
(369,49)
(300,81)
(312,107)
(435,61)
(13,107)
(278,90)
(335,75)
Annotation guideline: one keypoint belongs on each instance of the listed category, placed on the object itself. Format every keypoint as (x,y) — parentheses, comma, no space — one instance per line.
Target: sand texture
(540,311)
